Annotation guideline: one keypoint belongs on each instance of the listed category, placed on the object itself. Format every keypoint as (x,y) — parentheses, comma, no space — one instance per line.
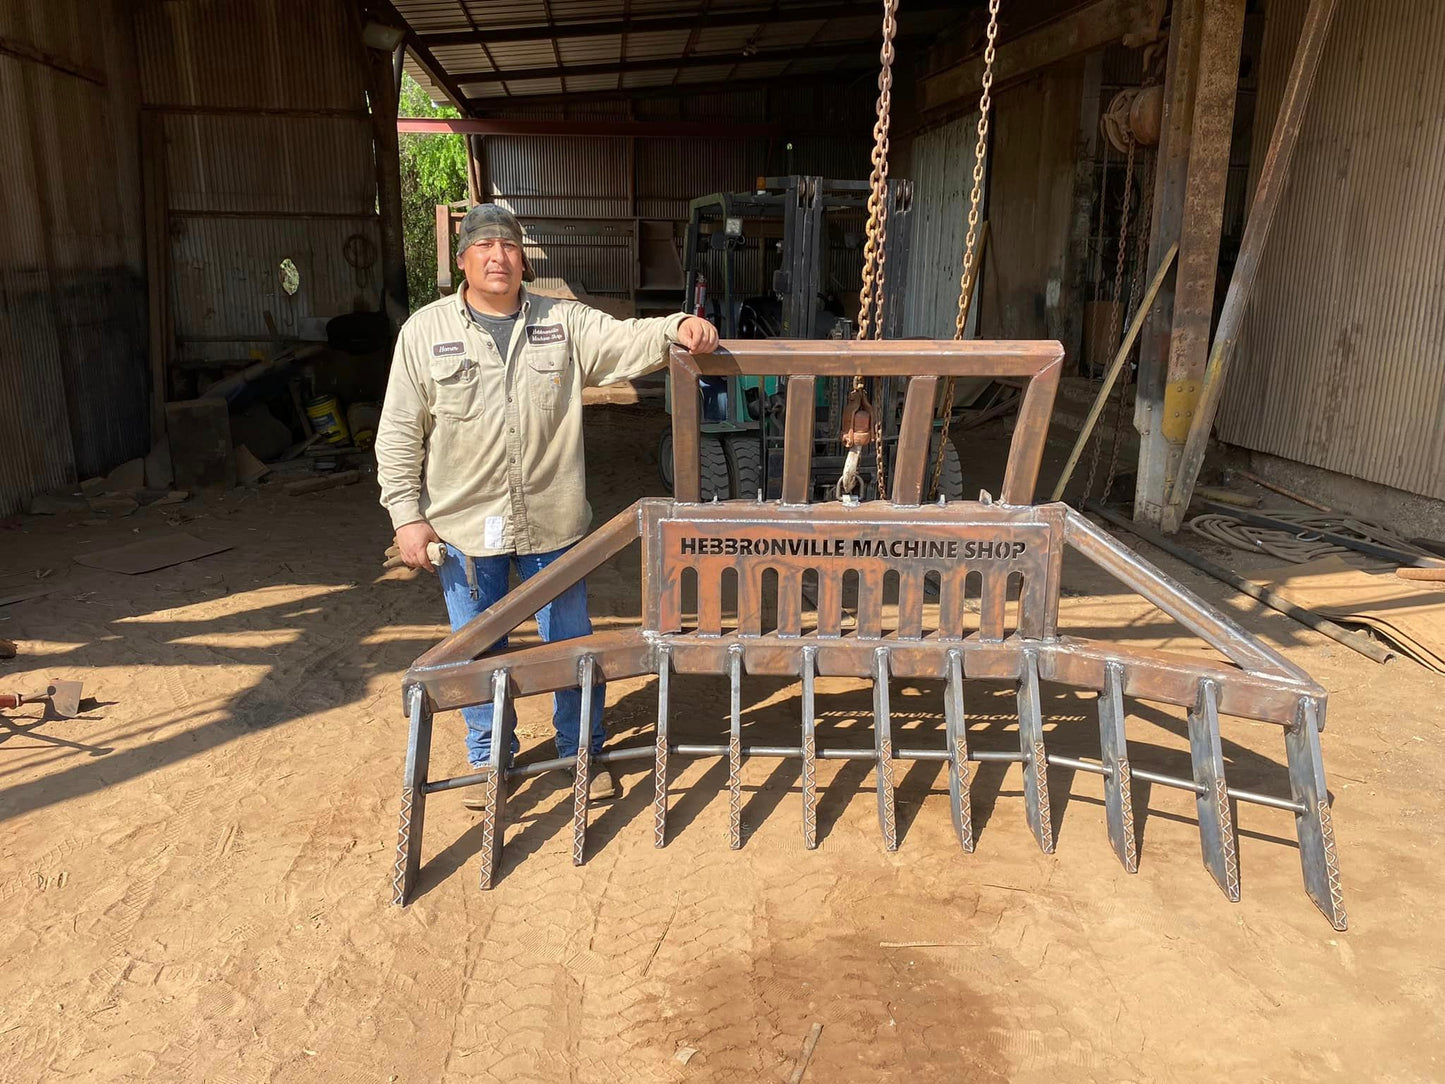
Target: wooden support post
(382,88)
(1170,175)
(158,264)
(1272,178)
(1221,31)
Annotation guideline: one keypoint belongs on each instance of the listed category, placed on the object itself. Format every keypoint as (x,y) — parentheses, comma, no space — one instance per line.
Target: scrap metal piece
(1036,760)
(659,763)
(810,751)
(582,770)
(1314,826)
(494,787)
(883,749)
(956,726)
(1118,782)
(1216,823)
(735,748)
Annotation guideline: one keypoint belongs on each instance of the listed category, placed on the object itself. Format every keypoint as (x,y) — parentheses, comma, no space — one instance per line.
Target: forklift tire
(745,464)
(714,463)
(950,479)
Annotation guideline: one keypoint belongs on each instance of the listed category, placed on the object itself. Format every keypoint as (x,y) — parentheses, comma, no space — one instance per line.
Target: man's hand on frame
(411,541)
(697,336)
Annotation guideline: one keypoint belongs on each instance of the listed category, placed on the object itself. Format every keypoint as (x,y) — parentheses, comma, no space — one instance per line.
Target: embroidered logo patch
(546,334)
(448,350)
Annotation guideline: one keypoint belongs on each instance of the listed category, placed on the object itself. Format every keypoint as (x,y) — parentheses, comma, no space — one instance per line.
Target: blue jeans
(564,618)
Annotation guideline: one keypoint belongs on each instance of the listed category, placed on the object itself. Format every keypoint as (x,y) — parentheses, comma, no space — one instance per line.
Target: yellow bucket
(327,419)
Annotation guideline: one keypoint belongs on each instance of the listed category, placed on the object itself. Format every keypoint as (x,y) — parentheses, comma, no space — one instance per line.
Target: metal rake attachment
(979,552)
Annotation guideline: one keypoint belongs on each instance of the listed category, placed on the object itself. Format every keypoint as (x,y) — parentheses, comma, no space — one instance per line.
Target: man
(480,441)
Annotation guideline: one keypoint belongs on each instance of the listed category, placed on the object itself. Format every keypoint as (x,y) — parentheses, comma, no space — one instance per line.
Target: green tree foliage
(433,170)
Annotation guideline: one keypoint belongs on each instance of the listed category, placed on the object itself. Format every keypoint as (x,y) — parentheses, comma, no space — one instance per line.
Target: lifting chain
(966,283)
(1136,297)
(875,275)
(1116,317)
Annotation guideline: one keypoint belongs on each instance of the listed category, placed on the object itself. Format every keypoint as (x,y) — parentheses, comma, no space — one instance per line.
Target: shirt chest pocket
(549,372)
(456,387)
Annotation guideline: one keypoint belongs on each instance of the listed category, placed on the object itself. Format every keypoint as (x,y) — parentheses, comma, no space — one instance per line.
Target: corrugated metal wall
(942,172)
(1027,282)
(268,154)
(73,361)
(1342,359)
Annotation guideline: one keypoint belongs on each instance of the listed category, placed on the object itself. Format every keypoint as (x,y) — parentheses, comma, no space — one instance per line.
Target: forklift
(785,261)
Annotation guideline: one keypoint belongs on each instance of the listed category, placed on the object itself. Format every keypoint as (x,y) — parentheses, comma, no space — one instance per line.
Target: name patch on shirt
(448,350)
(546,334)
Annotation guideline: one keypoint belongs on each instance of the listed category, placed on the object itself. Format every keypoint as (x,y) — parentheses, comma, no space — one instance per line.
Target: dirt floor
(194,874)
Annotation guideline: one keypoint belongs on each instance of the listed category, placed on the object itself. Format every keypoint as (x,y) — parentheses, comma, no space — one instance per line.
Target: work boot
(602,787)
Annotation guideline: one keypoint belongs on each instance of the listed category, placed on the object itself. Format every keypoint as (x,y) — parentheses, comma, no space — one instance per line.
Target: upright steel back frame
(980,544)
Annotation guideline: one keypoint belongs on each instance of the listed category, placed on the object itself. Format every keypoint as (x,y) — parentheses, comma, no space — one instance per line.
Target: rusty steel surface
(1002,559)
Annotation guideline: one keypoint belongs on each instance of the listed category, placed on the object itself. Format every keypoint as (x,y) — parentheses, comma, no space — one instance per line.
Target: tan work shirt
(487,449)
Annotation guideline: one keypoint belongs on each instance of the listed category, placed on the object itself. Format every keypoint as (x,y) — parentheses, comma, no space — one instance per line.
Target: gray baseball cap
(487,220)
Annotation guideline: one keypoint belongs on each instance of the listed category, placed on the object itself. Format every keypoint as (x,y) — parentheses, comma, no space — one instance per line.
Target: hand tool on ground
(62,696)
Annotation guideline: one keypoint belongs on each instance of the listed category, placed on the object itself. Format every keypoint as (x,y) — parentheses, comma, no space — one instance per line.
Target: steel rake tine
(1118,796)
(735,749)
(494,788)
(1036,761)
(582,770)
(956,726)
(1315,826)
(659,766)
(413,796)
(1216,823)
(883,749)
(810,751)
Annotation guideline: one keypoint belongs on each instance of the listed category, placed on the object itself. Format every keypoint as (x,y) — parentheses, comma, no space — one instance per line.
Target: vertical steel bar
(790,601)
(1118,794)
(659,764)
(1315,826)
(870,601)
(798,440)
(992,603)
(750,600)
(1036,761)
(956,723)
(910,603)
(413,796)
(912,460)
(709,601)
(1216,823)
(810,751)
(1026,450)
(735,748)
(582,769)
(494,790)
(686,430)
(883,748)
(952,600)
(830,602)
